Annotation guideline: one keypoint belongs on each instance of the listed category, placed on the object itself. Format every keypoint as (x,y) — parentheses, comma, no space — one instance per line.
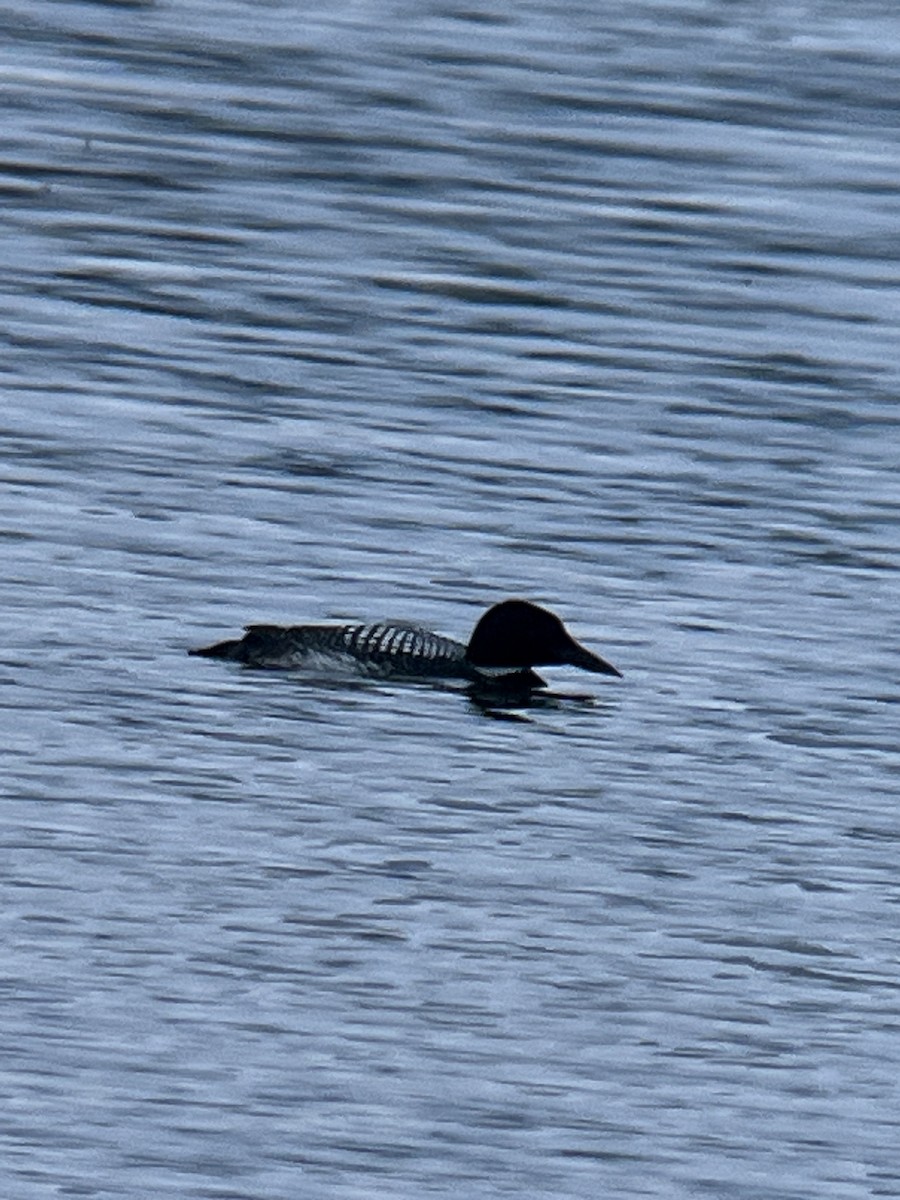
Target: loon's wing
(395,648)
(382,649)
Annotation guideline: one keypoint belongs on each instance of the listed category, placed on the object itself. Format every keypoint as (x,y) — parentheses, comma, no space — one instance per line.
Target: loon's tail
(219,650)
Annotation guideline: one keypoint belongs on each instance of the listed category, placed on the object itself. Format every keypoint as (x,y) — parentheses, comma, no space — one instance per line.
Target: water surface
(394,311)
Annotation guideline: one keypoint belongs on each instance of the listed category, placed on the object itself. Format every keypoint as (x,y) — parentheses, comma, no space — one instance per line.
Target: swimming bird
(509,639)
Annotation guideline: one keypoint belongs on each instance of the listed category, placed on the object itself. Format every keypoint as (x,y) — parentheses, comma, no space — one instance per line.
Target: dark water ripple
(393,311)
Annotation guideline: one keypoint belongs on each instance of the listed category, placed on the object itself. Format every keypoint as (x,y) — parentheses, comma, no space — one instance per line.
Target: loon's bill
(510,639)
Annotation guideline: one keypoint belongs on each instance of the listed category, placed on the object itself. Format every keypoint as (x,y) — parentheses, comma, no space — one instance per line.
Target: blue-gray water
(394,310)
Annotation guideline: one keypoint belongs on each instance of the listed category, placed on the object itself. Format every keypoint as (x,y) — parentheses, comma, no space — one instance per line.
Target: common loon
(510,639)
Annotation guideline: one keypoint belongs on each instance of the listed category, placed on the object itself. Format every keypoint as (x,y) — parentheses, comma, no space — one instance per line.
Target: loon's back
(380,650)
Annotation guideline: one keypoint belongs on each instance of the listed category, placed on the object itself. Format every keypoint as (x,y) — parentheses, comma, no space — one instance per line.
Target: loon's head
(516,634)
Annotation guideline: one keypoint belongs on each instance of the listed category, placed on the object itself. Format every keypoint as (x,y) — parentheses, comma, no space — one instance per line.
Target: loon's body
(510,639)
(380,650)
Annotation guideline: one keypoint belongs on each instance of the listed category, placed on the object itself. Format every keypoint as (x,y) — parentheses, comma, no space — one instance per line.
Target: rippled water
(392,311)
